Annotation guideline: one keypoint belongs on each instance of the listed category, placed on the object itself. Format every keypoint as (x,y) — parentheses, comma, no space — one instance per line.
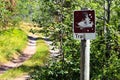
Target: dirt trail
(26,54)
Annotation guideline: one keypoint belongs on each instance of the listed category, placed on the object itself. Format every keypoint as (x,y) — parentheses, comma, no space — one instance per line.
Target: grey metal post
(85,60)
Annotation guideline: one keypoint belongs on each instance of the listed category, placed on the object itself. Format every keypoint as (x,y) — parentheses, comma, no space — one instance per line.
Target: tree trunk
(108,45)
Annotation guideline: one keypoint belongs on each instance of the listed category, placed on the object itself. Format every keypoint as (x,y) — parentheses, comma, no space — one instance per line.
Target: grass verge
(38,59)
(11,42)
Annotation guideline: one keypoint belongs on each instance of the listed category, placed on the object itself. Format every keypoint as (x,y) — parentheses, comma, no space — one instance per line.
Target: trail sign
(84,21)
(84,24)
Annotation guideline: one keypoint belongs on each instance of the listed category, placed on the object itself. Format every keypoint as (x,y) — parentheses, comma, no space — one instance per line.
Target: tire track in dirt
(25,55)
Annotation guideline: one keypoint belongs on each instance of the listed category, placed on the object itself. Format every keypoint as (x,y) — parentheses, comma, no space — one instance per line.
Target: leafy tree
(56,17)
(13,11)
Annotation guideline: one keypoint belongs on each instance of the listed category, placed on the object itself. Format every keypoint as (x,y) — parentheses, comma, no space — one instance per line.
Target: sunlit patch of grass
(38,59)
(11,41)
(30,27)
(40,56)
(10,74)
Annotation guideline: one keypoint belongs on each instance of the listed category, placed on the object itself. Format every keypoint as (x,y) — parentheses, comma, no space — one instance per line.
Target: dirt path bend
(26,54)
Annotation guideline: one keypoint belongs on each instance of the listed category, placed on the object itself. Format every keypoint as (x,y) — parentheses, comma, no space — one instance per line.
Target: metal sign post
(84,30)
(85,60)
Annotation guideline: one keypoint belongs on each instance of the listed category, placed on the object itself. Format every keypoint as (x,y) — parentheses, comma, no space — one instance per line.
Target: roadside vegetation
(38,59)
(12,42)
(15,25)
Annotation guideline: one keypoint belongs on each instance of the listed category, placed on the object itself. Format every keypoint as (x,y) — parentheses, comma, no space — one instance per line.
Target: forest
(54,20)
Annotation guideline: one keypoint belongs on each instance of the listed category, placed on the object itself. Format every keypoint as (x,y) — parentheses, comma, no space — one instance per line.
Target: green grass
(11,42)
(38,59)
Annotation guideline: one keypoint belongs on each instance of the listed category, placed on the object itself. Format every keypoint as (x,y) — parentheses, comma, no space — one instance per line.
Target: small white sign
(81,36)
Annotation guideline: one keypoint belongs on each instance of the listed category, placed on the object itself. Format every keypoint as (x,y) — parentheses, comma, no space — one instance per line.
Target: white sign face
(84,24)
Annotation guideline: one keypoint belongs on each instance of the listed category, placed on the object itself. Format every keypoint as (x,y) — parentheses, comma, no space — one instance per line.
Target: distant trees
(11,11)
(7,11)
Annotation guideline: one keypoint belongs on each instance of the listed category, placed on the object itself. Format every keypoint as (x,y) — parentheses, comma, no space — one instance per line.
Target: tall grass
(11,42)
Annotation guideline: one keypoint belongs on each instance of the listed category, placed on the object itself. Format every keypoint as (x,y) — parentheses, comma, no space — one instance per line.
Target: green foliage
(11,17)
(11,42)
(61,70)
(4,14)
(57,71)
(56,18)
(103,66)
